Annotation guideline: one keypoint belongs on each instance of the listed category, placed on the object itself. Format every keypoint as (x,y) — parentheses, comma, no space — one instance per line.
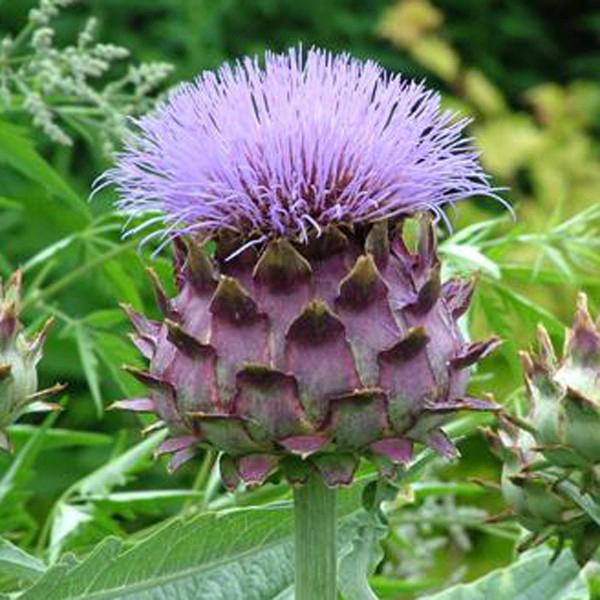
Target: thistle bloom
(316,333)
(294,146)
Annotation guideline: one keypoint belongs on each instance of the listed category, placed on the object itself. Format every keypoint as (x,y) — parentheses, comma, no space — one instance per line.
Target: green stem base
(315,525)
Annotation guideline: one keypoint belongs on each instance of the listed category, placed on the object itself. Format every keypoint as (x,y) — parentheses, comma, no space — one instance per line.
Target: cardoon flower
(315,334)
(18,360)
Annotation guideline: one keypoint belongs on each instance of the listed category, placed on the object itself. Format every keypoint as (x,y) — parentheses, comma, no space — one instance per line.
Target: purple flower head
(285,149)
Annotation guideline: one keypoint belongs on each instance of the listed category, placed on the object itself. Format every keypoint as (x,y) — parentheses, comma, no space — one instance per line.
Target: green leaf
(74,508)
(59,438)
(68,519)
(10,203)
(528,310)
(233,555)
(489,302)
(89,362)
(21,465)
(532,577)
(386,587)
(444,488)
(364,553)
(105,319)
(113,350)
(114,472)
(122,283)
(17,151)
(584,501)
(48,252)
(473,258)
(17,562)
(148,501)
(17,568)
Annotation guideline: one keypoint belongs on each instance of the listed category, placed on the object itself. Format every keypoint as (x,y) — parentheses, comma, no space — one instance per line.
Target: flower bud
(19,357)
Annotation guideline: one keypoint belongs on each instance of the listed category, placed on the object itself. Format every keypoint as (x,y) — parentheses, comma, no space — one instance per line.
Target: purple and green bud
(565,394)
(559,440)
(309,356)
(19,357)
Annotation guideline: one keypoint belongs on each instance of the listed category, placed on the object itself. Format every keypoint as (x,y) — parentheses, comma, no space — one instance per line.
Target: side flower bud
(555,449)
(19,357)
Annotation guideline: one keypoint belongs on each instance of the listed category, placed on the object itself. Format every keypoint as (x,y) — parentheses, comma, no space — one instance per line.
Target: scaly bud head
(559,439)
(288,356)
(565,393)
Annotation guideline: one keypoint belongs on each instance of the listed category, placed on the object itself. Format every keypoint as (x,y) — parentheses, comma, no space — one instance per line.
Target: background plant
(525,72)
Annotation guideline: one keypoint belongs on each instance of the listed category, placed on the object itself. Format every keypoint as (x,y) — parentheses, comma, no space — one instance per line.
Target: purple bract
(286,147)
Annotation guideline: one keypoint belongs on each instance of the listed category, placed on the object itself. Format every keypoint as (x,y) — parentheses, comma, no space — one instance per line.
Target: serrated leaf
(18,568)
(232,555)
(114,472)
(531,577)
(75,509)
(17,151)
(17,562)
(67,520)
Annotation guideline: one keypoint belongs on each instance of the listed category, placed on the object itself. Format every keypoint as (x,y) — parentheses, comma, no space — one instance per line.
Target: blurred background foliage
(525,70)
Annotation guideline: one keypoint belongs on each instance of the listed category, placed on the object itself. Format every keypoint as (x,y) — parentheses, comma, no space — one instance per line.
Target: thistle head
(315,335)
(290,145)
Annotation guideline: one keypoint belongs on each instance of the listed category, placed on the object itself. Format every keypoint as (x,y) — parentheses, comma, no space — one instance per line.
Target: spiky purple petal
(292,144)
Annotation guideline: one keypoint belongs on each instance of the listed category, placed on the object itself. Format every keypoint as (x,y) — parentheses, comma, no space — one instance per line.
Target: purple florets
(308,139)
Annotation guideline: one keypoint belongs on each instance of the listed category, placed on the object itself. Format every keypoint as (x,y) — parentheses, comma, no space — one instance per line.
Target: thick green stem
(315,524)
